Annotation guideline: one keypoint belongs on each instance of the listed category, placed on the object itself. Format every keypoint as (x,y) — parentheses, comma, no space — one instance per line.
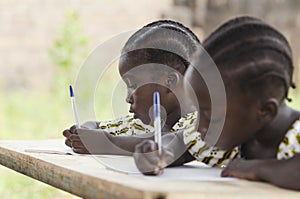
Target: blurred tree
(69,49)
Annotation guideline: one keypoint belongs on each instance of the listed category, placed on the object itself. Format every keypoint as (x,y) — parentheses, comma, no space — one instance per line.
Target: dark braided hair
(165,42)
(255,54)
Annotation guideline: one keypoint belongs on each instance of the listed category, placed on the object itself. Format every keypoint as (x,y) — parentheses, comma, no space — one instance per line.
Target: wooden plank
(84,176)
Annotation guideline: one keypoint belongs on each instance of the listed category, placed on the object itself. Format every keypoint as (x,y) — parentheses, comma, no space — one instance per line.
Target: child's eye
(133,86)
(206,114)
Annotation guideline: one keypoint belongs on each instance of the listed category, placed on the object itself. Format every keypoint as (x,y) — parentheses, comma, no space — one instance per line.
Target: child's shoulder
(186,121)
(290,145)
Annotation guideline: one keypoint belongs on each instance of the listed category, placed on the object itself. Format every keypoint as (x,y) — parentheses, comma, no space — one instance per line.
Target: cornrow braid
(254,53)
(173,25)
(164,42)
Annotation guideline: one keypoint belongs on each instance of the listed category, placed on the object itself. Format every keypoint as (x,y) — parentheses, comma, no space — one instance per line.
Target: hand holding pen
(149,156)
(69,132)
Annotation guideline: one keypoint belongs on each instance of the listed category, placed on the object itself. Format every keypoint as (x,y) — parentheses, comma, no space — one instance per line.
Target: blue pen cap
(156,103)
(71,91)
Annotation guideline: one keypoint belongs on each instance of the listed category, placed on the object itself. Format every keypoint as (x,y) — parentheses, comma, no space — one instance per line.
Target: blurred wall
(28,28)
(206,15)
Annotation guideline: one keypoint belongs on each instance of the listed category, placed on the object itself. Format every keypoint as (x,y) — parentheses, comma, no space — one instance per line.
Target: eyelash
(132,86)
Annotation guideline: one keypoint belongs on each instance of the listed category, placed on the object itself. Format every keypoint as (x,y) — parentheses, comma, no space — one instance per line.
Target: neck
(174,115)
(182,107)
(265,143)
(273,133)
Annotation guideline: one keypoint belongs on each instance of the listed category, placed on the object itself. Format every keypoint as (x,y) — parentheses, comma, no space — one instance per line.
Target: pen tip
(71,91)
(156,97)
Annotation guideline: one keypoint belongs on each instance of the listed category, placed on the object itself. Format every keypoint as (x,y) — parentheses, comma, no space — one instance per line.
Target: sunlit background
(43,44)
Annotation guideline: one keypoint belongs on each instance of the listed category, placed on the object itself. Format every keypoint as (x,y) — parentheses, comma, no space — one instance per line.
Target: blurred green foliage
(42,115)
(69,49)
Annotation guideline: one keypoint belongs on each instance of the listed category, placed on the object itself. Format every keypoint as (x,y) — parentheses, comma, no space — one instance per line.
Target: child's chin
(144,120)
(223,145)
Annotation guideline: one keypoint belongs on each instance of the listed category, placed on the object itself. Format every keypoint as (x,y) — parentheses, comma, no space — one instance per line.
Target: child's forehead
(146,69)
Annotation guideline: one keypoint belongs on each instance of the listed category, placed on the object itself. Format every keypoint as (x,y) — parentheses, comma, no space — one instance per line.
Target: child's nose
(203,132)
(129,98)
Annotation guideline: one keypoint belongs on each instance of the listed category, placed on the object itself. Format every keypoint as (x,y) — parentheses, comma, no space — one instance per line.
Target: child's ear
(268,110)
(172,80)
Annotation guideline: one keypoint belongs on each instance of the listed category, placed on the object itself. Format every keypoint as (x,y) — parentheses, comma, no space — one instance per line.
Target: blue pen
(157,121)
(74,107)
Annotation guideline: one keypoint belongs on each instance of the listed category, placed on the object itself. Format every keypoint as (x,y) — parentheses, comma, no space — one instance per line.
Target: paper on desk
(65,151)
(194,171)
(52,150)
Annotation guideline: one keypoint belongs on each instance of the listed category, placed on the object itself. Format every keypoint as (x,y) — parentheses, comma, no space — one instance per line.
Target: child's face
(141,83)
(241,122)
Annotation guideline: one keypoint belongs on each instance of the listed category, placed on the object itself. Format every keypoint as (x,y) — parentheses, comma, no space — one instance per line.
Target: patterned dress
(290,144)
(129,126)
(209,155)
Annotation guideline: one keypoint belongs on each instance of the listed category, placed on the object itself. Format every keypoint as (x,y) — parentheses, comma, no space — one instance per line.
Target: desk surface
(86,177)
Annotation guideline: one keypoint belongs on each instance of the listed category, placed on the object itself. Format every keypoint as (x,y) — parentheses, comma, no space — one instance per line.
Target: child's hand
(76,142)
(244,169)
(148,160)
(73,140)
(67,133)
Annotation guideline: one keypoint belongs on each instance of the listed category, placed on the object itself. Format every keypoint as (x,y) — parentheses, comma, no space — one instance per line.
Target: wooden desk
(85,177)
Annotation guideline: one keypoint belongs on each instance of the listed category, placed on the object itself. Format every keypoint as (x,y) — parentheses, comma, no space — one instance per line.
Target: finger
(77,144)
(68,142)
(155,172)
(74,137)
(166,158)
(80,150)
(66,133)
(142,147)
(149,147)
(151,157)
(225,173)
(73,128)
(144,165)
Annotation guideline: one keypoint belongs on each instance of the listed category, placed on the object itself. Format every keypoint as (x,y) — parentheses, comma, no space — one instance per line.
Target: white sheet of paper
(194,171)
(52,150)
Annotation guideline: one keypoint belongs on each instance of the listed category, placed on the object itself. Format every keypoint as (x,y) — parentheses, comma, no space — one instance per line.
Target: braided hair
(165,42)
(255,54)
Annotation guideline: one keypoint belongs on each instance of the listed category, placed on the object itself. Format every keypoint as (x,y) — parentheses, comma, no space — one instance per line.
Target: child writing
(133,70)
(255,62)
(143,68)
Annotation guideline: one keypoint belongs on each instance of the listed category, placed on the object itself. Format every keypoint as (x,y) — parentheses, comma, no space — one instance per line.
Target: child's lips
(203,133)
(131,110)
(135,114)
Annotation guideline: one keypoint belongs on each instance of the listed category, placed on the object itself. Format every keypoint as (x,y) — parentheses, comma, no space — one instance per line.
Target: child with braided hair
(255,62)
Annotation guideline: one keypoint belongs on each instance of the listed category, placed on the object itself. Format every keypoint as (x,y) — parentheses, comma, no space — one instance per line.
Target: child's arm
(150,163)
(283,173)
(90,141)
(123,126)
(90,125)
(68,132)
